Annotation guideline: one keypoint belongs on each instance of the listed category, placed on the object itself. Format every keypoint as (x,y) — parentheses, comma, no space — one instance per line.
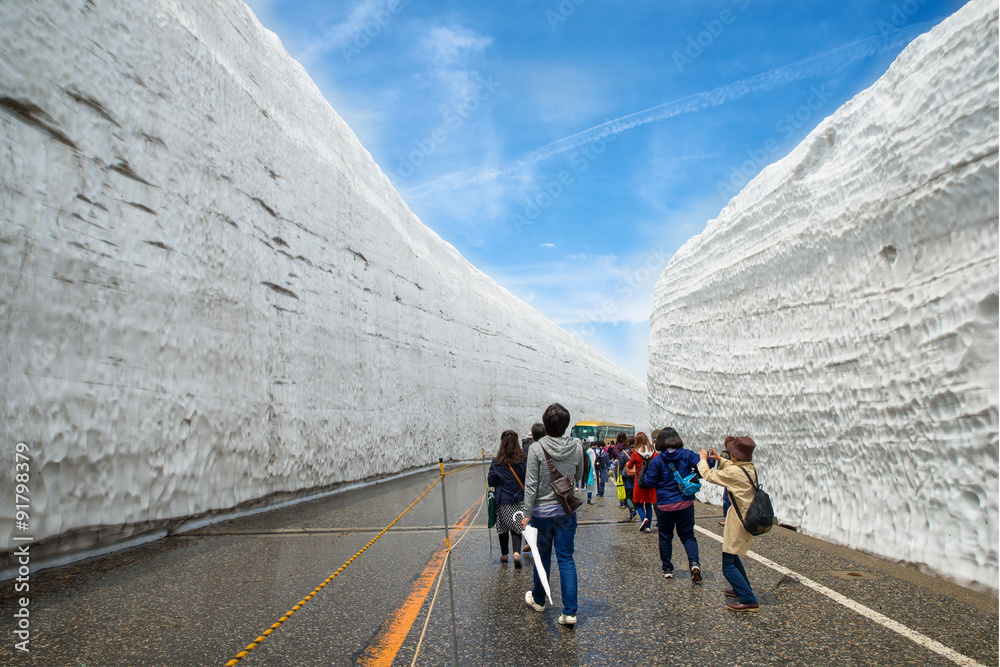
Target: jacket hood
(672,456)
(560,449)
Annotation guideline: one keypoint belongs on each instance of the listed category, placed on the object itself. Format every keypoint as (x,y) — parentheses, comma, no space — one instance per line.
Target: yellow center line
(382,651)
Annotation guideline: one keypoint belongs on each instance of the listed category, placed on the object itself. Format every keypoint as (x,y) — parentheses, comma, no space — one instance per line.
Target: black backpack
(760,515)
(642,473)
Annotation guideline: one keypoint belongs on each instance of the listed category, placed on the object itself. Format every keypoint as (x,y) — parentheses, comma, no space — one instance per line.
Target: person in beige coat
(733,475)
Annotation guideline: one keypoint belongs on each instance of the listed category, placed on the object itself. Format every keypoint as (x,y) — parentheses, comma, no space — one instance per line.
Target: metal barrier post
(487,487)
(451,586)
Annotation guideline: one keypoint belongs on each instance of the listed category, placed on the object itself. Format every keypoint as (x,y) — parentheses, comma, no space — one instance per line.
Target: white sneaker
(529,600)
(567,620)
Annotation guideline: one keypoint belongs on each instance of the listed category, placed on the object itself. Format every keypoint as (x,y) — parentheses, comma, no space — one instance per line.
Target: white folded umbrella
(531,537)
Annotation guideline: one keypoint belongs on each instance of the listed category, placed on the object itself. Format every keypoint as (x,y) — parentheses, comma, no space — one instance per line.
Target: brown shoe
(739,606)
(517,561)
(527,548)
(731,593)
(503,559)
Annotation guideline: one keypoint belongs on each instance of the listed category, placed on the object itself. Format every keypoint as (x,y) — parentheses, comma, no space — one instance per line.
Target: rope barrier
(445,474)
(430,609)
(277,624)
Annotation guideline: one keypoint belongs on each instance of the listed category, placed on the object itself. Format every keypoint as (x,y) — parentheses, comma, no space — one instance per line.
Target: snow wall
(842,311)
(212,295)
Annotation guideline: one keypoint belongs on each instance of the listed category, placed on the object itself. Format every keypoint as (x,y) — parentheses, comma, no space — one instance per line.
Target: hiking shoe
(529,600)
(668,574)
(739,606)
(644,525)
(731,593)
(695,573)
(565,619)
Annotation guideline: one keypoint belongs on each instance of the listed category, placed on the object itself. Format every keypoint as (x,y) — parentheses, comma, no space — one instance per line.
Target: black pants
(515,542)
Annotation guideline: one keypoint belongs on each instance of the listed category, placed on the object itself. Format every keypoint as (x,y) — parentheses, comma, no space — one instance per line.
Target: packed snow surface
(210,293)
(842,311)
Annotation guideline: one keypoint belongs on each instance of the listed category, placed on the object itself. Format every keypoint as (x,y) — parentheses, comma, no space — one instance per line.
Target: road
(202,597)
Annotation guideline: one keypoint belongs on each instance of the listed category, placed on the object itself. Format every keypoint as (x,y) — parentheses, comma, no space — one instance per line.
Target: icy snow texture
(211,293)
(842,311)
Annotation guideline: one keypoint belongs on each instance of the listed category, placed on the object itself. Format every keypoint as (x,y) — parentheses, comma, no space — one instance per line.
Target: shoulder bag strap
(553,473)
(515,475)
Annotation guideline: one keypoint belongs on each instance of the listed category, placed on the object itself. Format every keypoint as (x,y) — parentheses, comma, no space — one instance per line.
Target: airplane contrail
(824,64)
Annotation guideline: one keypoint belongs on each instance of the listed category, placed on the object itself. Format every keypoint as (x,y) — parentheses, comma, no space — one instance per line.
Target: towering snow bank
(210,293)
(842,310)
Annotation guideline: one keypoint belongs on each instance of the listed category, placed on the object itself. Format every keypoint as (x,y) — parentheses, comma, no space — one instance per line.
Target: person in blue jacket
(672,508)
(507,477)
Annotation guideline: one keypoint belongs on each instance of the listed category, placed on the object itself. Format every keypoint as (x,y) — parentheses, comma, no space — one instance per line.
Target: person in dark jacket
(615,455)
(623,458)
(537,433)
(672,508)
(602,469)
(507,477)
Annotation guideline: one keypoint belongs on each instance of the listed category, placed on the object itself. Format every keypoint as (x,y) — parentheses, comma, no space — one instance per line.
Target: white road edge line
(899,628)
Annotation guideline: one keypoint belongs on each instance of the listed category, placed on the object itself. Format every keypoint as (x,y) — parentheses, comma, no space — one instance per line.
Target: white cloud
(452,53)
(602,289)
(342,34)
(448,47)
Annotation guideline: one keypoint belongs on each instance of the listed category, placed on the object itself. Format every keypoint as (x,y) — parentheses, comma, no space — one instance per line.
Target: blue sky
(568,148)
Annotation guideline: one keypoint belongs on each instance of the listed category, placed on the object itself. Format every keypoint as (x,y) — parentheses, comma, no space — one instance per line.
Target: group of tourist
(649,473)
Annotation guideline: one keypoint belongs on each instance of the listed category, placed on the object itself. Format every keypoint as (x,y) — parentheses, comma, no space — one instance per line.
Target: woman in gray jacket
(544,512)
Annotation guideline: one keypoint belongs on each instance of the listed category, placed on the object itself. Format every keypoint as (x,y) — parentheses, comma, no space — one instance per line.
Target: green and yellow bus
(605,432)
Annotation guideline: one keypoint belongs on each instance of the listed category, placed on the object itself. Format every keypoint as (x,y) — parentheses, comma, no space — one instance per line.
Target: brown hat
(741,448)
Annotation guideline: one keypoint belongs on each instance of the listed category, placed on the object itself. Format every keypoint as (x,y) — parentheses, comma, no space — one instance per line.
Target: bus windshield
(584,432)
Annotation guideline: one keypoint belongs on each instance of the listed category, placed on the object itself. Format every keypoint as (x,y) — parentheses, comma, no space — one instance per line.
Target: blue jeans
(732,570)
(559,531)
(645,511)
(684,521)
(725,503)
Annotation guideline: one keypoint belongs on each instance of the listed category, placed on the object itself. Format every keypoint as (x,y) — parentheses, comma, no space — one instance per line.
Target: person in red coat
(643,498)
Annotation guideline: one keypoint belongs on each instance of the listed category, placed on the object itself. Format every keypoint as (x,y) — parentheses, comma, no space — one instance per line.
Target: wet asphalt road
(201,597)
